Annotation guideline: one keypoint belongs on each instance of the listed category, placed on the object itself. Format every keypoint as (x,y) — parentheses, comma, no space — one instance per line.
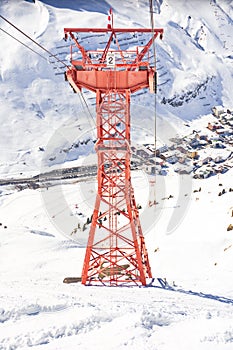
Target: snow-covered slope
(186,234)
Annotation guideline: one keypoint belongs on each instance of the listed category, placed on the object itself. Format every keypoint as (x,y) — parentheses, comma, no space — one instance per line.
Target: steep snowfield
(186,236)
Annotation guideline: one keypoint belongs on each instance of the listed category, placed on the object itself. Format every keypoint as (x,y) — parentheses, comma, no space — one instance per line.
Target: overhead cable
(47,51)
(155,99)
(35,42)
(4,31)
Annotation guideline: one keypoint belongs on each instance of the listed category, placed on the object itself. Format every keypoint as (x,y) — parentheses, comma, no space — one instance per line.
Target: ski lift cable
(88,109)
(37,53)
(91,121)
(28,47)
(155,100)
(35,42)
(154,54)
(44,49)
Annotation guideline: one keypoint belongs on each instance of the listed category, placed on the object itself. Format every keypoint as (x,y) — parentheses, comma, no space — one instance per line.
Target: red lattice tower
(116,253)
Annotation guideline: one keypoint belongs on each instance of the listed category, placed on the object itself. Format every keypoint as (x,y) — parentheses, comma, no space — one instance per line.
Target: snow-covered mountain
(194,62)
(45,126)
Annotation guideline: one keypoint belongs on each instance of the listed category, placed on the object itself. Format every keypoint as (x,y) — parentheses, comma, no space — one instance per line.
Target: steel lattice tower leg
(116,252)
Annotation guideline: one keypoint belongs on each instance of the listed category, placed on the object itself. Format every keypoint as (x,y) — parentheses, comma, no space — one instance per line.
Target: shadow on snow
(166,286)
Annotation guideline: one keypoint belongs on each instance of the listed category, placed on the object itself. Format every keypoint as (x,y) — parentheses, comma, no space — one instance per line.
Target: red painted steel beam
(113,30)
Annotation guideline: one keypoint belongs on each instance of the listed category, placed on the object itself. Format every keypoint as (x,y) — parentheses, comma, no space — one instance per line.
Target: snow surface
(186,236)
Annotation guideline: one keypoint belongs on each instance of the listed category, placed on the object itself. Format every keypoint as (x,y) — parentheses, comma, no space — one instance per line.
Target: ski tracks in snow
(97,317)
(34,325)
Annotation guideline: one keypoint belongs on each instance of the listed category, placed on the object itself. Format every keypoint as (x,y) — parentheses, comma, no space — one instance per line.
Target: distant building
(221,131)
(185,170)
(194,143)
(206,160)
(214,126)
(152,169)
(182,160)
(172,159)
(204,137)
(162,149)
(218,110)
(143,153)
(151,148)
(221,169)
(133,149)
(219,159)
(181,149)
(229,111)
(192,154)
(219,145)
(204,172)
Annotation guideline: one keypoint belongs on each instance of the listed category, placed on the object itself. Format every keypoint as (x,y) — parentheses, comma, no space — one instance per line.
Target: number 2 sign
(110,59)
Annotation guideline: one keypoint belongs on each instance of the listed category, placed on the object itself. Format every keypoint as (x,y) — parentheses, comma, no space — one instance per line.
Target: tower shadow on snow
(166,286)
